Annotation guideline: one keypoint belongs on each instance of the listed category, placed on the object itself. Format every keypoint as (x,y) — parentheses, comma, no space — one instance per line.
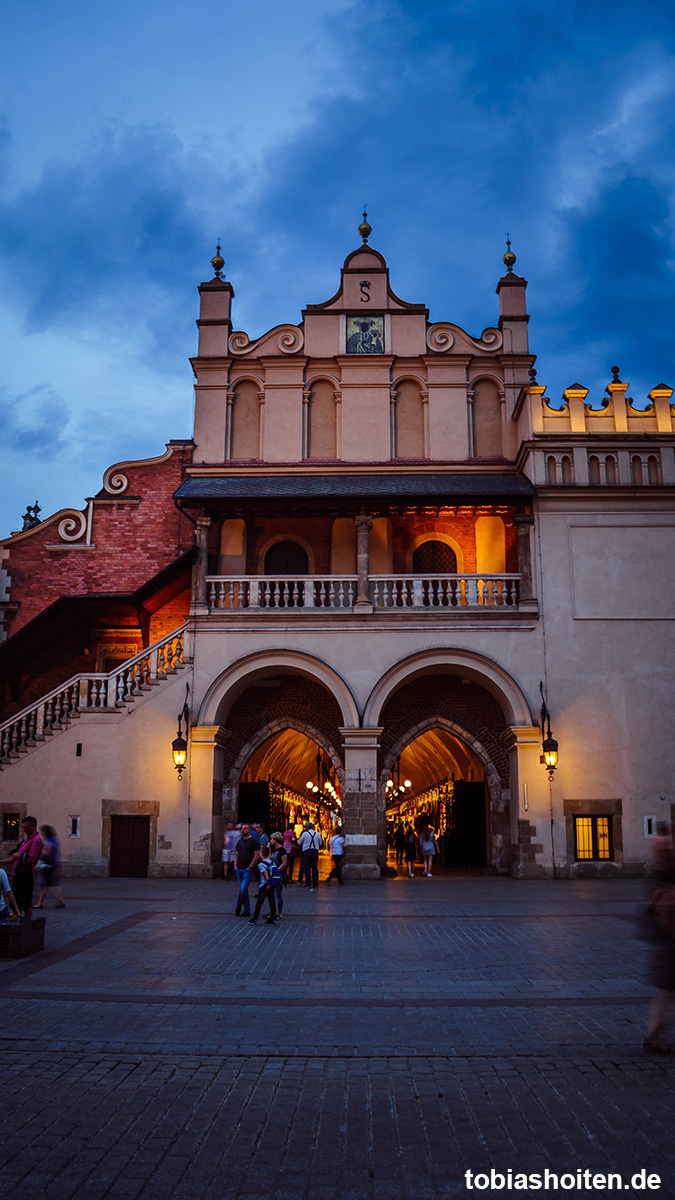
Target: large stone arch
(492,775)
(471,665)
(245,671)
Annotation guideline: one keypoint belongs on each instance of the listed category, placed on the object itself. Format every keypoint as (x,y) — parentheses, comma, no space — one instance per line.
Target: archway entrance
(443,744)
(290,779)
(437,780)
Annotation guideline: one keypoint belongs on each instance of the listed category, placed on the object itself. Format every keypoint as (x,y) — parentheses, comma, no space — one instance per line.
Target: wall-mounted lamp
(549,744)
(179,746)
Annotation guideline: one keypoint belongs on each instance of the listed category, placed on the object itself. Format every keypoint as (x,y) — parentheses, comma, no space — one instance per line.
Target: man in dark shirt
(246,855)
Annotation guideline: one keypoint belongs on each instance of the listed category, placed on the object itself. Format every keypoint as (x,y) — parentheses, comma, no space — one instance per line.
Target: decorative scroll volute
(115,483)
(287,339)
(443,336)
(73,526)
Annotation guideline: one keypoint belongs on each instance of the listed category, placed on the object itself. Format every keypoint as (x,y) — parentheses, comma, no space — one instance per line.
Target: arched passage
(264,665)
(444,717)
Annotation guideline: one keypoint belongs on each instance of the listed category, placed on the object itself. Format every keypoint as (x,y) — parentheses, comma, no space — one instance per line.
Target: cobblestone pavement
(379,1042)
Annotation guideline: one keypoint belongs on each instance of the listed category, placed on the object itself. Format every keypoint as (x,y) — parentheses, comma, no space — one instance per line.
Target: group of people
(36,860)
(411,846)
(253,857)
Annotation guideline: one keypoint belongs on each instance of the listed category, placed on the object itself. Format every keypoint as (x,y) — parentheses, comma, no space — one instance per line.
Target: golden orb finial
(364,228)
(218,262)
(509,258)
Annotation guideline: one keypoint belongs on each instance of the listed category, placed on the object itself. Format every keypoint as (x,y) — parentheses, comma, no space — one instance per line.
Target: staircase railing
(93,690)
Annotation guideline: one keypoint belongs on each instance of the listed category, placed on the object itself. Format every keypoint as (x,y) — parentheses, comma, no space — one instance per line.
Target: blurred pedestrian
(48,870)
(337,848)
(410,849)
(259,832)
(399,843)
(662,910)
(230,839)
(25,859)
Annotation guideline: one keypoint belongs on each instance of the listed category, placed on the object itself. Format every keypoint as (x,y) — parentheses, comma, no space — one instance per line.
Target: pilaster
(359,802)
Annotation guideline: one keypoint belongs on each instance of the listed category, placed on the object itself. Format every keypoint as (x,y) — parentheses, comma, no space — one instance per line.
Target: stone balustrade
(93,690)
(338,593)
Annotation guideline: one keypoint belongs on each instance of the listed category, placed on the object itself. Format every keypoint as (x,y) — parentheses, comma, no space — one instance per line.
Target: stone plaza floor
(379,1042)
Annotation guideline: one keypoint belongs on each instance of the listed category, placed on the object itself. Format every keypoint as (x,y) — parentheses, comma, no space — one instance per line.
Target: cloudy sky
(134,133)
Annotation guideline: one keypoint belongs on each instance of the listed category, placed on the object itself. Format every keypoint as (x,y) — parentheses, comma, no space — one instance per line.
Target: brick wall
(297,698)
(133,542)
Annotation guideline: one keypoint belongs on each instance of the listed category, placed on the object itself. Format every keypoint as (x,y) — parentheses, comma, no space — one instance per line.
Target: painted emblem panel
(365,335)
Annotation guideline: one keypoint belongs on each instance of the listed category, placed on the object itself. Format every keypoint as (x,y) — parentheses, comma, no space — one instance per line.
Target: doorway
(129,847)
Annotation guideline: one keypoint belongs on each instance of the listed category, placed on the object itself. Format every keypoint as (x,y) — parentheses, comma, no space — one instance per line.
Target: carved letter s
(365,291)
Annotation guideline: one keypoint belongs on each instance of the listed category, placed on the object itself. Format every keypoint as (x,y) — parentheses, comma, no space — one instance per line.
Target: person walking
(247,855)
(48,872)
(291,851)
(278,872)
(259,832)
(399,843)
(310,842)
(428,848)
(337,848)
(410,849)
(265,890)
(25,859)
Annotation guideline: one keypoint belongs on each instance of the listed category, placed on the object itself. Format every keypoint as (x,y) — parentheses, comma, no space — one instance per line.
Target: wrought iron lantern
(179,746)
(549,745)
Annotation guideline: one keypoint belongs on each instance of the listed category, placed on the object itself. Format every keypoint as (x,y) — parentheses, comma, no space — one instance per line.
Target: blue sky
(133,134)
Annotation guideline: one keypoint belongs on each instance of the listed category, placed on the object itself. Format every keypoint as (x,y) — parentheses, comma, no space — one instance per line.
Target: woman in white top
(8,903)
(337,848)
(428,848)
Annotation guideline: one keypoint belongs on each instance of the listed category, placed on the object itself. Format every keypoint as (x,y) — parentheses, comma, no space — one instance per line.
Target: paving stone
(379,1043)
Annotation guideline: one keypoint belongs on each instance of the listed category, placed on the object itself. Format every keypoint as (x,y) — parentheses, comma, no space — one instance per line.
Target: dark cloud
(34,423)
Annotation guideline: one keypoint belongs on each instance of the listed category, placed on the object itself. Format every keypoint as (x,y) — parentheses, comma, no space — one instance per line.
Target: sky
(134,134)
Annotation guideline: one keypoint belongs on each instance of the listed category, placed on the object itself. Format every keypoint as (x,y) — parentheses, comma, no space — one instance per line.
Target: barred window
(593,837)
(10,827)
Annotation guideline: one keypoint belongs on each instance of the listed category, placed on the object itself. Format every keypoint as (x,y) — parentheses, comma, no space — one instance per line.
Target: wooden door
(129,847)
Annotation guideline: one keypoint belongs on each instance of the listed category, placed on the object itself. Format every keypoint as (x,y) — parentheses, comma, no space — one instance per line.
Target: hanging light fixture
(549,745)
(179,746)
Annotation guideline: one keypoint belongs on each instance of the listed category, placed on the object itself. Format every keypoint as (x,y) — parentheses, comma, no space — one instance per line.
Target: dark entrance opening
(465,838)
(253,803)
(129,847)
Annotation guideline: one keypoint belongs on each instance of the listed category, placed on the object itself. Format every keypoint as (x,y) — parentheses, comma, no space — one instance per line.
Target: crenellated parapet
(597,444)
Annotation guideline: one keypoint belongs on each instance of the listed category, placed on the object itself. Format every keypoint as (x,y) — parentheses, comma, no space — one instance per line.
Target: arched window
(594,469)
(434,558)
(487,420)
(636,470)
(321,432)
(566,469)
(286,558)
(610,468)
(407,421)
(244,432)
(551,469)
(653,472)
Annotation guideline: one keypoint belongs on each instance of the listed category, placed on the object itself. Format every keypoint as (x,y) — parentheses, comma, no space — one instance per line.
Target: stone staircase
(118,689)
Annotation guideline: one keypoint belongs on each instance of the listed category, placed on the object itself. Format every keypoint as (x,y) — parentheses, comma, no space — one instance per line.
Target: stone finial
(615,374)
(365,229)
(509,258)
(533,375)
(218,262)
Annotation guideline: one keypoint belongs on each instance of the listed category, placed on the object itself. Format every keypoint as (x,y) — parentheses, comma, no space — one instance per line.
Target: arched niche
(436,537)
(490,545)
(244,431)
(321,431)
(487,419)
(232,547)
(408,440)
(286,556)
